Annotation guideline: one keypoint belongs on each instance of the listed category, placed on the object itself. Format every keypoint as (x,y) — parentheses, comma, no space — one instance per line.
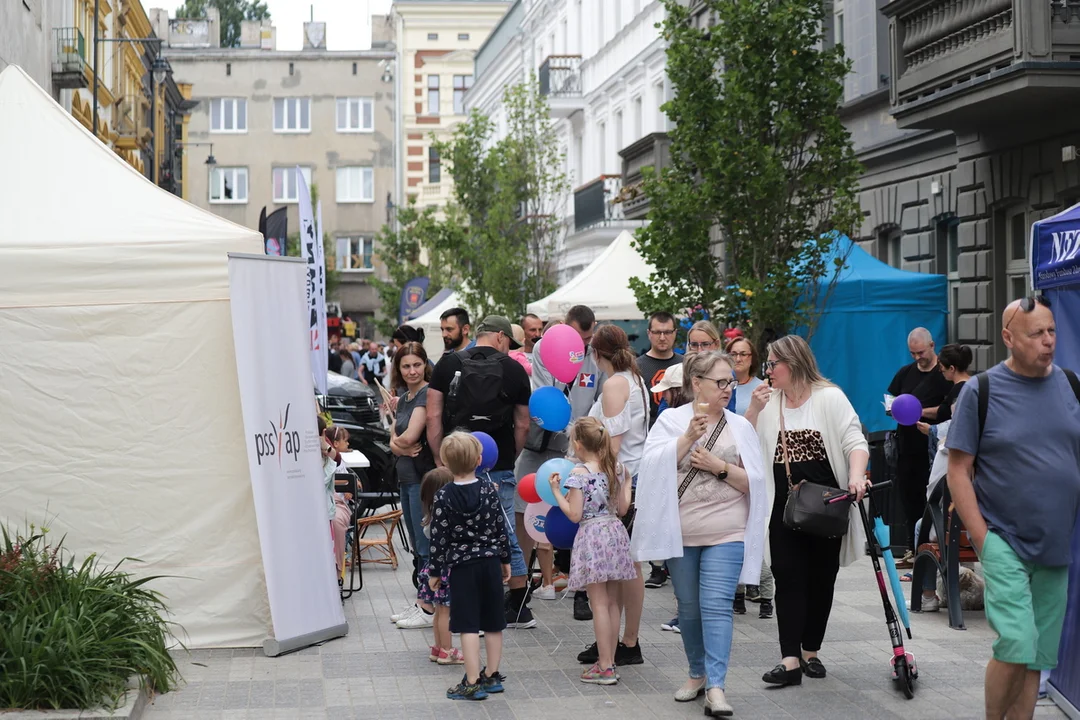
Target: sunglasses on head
(1027,305)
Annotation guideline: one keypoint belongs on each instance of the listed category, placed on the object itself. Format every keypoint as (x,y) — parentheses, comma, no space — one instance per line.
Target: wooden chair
(952,548)
(382,543)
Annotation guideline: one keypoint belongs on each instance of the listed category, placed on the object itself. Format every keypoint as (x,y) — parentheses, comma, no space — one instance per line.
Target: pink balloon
(535,519)
(562,352)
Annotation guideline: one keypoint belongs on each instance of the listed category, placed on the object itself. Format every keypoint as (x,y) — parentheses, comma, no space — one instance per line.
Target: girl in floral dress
(599,493)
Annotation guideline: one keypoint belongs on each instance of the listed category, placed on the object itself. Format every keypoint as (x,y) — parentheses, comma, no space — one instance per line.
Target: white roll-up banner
(311,250)
(270,329)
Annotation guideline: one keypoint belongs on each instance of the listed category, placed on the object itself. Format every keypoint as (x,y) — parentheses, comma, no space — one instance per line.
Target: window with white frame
(292,114)
(355,185)
(461,84)
(355,114)
(228,115)
(354,253)
(286,188)
(229,185)
(433,94)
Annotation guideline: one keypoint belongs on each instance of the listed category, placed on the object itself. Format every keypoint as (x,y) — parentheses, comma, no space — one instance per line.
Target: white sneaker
(408,612)
(931,604)
(547,592)
(417,620)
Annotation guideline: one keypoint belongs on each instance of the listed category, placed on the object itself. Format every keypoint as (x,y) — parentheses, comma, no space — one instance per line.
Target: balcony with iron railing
(652,151)
(69,68)
(131,122)
(598,215)
(957,64)
(560,83)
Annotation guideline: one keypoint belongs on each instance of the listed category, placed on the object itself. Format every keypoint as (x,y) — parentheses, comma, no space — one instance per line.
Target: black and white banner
(311,249)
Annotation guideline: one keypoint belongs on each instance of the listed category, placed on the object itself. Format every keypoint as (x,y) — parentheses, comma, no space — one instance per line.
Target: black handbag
(805,509)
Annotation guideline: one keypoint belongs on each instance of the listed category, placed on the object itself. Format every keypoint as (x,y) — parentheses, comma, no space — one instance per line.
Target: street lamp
(159,70)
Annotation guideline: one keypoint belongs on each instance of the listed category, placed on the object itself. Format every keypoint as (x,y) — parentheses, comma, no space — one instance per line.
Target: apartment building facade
(436,43)
(262,113)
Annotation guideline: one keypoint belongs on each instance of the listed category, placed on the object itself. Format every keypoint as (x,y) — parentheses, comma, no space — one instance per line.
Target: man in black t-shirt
(470,402)
(924,380)
(660,356)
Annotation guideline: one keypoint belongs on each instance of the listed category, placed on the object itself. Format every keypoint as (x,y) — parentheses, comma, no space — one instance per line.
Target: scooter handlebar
(841,496)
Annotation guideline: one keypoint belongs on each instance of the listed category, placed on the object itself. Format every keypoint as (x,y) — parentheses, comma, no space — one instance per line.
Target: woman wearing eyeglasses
(702,337)
(809,432)
(702,506)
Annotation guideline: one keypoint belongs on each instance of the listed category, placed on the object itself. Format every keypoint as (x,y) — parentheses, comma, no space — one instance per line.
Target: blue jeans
(930,579)
(413,515)
(705,580)
(507,484)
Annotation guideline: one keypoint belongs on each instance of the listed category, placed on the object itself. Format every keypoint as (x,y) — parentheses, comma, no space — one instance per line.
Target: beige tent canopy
(120,413)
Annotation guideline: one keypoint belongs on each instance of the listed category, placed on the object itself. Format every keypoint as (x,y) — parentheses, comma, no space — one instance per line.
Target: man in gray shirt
(1016,483)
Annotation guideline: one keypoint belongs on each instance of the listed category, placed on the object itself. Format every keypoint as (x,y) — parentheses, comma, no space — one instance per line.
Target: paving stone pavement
(378,671)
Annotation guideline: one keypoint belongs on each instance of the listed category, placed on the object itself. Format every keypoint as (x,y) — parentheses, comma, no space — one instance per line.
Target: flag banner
(284,455)
(311,251)
(276,232)
(413,296)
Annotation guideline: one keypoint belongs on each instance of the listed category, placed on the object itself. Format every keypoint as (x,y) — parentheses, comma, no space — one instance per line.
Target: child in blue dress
(599,494)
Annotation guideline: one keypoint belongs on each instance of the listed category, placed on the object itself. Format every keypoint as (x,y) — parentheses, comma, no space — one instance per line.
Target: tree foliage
(496,241)
(762,169)
(232,12)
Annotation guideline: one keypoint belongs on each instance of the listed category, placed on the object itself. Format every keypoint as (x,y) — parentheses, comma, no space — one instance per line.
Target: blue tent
(861,337)
(1055,269)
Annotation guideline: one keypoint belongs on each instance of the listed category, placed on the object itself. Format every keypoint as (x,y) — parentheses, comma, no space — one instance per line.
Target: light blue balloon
(543,478)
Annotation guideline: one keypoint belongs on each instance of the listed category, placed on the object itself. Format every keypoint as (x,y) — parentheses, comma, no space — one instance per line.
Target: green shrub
(72,635)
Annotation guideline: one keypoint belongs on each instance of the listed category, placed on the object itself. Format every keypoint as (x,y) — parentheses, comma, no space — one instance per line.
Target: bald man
(1016,484)
(923,379)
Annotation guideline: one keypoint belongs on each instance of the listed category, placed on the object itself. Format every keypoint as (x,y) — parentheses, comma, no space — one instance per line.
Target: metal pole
(97,6)
(153,127)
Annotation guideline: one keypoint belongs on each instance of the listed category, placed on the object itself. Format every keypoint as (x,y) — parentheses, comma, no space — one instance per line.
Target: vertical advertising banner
(413,295)
(275,232)
(270,328)
(311,250)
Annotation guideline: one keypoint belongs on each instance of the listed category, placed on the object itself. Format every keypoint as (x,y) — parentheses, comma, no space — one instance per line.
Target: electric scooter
(904,669)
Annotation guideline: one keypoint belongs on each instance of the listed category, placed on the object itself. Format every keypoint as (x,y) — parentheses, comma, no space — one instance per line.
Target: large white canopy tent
(604,285)
(121,420)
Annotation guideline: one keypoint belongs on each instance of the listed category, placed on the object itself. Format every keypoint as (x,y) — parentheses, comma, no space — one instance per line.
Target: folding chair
(952,548)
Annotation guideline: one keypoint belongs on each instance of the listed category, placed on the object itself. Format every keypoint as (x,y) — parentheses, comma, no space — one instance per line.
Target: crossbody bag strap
(783,443)
(708,446)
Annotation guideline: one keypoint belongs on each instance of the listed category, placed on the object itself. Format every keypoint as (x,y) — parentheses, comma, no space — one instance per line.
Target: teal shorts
(1025,605)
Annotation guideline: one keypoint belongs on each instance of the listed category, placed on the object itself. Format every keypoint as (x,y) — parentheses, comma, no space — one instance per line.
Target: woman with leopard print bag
(809,432)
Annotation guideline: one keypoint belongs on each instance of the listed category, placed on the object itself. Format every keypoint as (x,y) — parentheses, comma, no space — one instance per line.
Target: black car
(351,401)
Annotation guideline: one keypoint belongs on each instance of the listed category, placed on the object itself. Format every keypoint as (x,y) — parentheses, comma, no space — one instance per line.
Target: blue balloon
(543,478)
(550,409)
(491,450)
(560,531)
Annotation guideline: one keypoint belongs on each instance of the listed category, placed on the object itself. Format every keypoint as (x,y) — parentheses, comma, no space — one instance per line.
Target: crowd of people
(683,463)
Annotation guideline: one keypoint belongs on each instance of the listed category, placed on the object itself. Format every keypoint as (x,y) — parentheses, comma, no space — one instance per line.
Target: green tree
(762,170)
(232,12)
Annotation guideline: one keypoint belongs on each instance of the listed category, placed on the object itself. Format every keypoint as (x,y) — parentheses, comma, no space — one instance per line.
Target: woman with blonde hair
(809,432)
(703,337)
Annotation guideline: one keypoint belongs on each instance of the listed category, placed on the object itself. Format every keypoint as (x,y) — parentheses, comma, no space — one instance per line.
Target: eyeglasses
(1027,305)
(662,333)
(769,365)
(701,345)
(721,383)
(741,355)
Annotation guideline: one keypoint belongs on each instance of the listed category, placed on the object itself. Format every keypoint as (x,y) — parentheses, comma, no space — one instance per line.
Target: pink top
(711,511)
(523,359)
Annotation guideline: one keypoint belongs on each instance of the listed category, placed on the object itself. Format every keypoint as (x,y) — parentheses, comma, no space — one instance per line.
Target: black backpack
(984,394)
(479,402)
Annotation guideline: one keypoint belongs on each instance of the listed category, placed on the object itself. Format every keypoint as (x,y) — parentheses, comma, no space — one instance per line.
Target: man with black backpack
(1014,475)
(484,389)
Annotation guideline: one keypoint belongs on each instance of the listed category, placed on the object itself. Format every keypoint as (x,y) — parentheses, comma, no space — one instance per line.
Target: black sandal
(812,668)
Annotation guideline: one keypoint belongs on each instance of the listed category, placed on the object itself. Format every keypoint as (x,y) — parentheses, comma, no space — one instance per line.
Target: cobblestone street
(378,671)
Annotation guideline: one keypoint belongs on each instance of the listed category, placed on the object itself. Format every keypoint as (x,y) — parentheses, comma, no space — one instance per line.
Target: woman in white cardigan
(712,533)
(825,445)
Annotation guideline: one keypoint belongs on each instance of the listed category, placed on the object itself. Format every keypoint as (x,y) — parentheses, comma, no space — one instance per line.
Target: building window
(433,36)
(286,189)
(292,115)
(889,247)
(838,28)
(355,253)
(433,94)
(228,185)
(461,84)
(434,165)
(355,185)
(355,114)
(228,115)
(1017,267)
(947,263)
(463,36)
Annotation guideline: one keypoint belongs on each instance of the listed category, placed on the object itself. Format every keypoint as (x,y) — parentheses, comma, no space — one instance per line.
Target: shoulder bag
(805,509)
(708,446)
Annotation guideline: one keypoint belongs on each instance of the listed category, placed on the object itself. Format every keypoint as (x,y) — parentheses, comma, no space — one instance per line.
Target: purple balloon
(491,450)
(907,409)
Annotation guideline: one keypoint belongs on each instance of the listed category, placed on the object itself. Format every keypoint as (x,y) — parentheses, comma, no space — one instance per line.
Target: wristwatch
(722,475)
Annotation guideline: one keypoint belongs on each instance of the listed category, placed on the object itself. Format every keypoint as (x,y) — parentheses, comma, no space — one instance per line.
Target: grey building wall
(259,76)
(26,37)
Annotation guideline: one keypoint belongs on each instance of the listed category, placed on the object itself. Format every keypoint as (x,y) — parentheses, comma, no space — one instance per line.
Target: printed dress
(602,547)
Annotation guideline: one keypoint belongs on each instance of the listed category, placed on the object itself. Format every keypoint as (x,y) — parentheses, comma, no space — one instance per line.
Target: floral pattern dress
(602,546)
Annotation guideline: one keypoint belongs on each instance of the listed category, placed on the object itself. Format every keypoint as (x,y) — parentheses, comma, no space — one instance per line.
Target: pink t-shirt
(711,511)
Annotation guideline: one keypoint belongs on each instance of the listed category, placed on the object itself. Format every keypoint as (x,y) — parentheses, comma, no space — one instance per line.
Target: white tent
(604,285)
(120,417)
